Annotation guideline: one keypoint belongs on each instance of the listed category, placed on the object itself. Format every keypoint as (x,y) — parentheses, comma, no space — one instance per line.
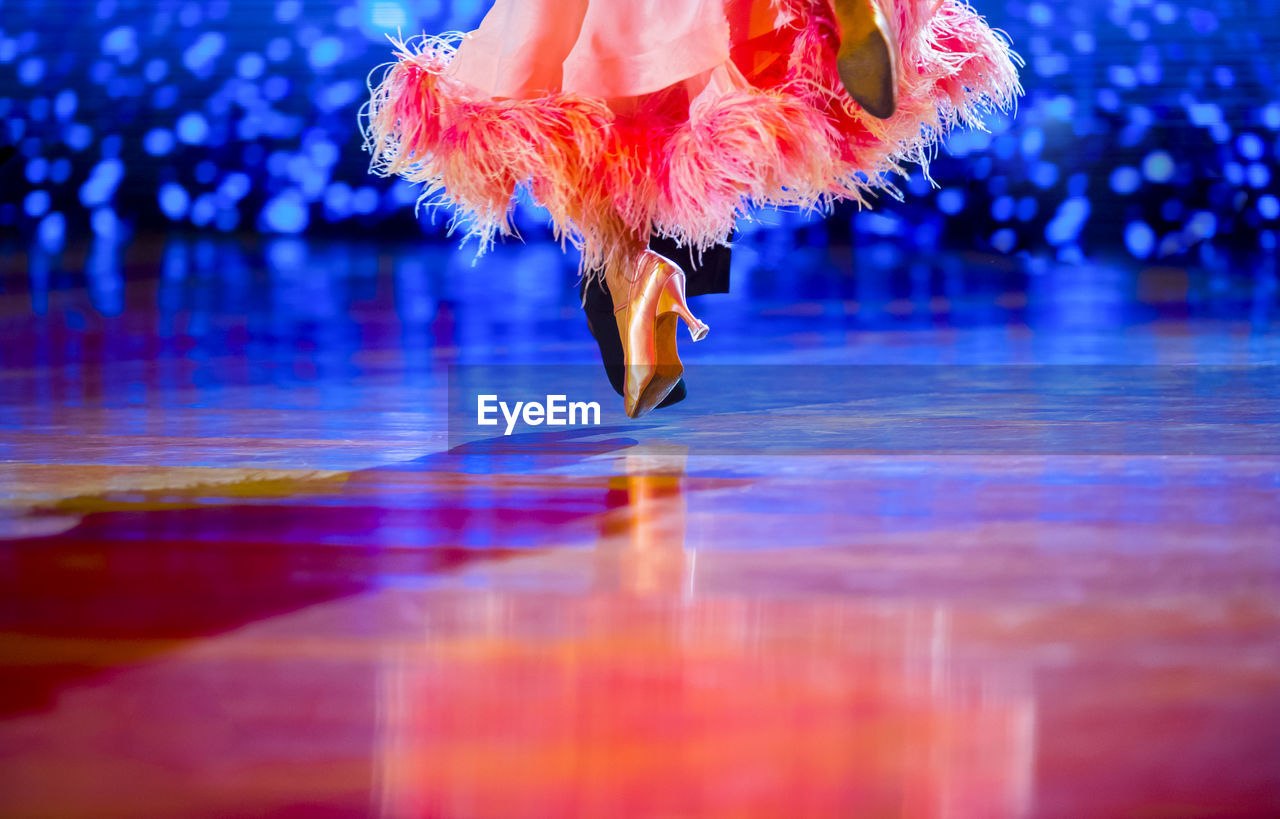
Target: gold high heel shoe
(868,57)
(648,302)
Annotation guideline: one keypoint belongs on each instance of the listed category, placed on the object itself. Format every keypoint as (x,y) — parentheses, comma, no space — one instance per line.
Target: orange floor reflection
(701,715)
(643,698)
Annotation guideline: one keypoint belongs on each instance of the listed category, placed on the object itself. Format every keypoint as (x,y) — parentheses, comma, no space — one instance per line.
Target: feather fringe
(608,182)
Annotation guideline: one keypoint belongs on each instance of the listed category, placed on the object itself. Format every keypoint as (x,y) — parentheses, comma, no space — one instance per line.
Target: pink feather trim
(609,181)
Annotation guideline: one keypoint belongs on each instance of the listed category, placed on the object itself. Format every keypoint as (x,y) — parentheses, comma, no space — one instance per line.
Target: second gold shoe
(868,57)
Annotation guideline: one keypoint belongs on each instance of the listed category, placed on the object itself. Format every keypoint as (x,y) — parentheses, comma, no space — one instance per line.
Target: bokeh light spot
(325,52)
(286,213)
(158,141)
(174,200)
(37,169)
(951,201)
(102,182)
(52,230)
(193,128)
(31,71)
(250,65)
(1068,221)
(1158,166)
(1140,239)
(36,203)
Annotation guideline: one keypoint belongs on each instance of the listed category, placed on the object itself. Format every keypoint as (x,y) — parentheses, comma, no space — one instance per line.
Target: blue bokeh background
(1150,129)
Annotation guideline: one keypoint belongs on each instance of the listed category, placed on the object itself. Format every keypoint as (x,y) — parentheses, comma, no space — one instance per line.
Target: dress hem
(605,179)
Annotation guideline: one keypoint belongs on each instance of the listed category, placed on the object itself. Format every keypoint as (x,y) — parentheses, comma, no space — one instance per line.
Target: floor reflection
(930,537)
(716,708)
(647,697)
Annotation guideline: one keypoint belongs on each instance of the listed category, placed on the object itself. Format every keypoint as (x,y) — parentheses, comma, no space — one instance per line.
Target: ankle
(620,274)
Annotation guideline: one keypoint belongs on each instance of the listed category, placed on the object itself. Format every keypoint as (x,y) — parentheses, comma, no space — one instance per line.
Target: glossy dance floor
(1019,557)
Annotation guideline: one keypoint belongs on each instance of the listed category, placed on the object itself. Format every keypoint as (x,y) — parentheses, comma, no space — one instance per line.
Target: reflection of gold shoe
(654,560)
(868,56)
(647,301)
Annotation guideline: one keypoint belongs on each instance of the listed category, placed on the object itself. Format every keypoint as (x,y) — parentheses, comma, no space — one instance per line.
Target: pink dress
(631,117)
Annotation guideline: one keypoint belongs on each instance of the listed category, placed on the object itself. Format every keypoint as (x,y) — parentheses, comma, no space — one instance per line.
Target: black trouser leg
(600,321)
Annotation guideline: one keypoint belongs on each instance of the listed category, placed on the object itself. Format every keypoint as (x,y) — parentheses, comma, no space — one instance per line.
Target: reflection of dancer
(643,551)
(634,118)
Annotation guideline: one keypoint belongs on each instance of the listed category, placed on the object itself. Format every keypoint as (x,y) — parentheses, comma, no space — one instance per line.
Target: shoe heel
(673,300)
